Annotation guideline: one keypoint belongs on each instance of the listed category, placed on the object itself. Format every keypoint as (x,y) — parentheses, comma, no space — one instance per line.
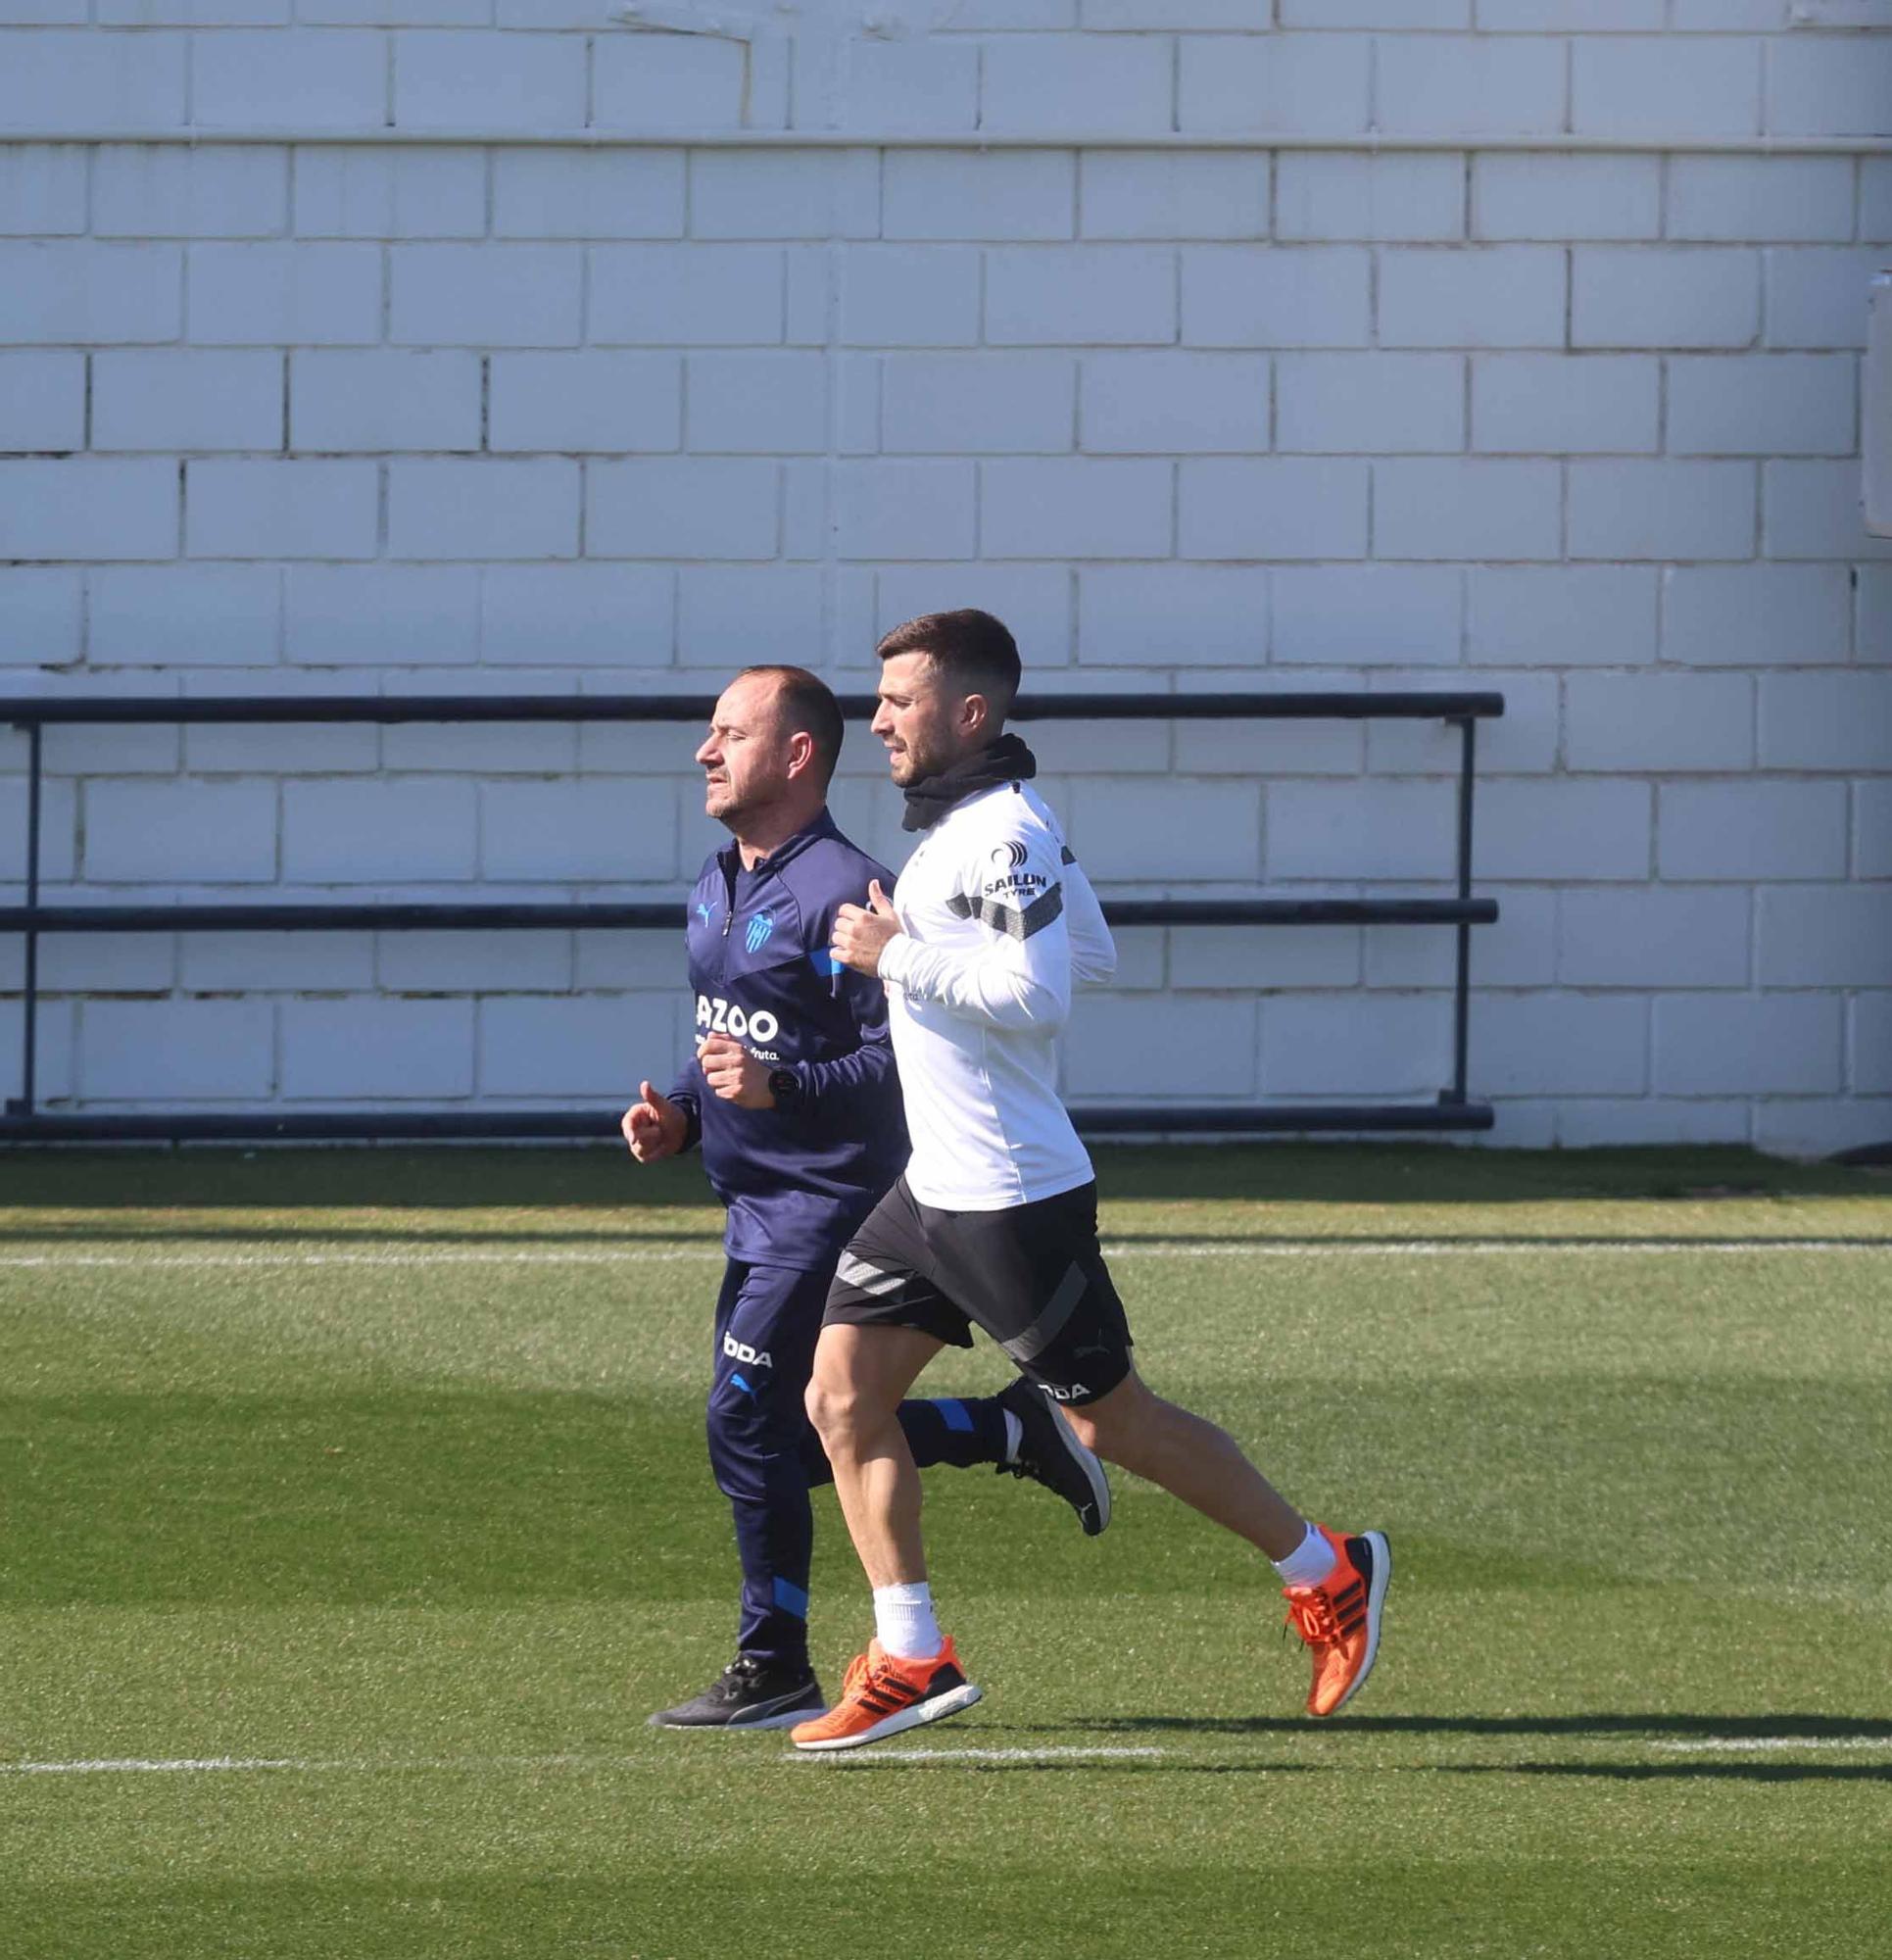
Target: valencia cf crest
(756,934)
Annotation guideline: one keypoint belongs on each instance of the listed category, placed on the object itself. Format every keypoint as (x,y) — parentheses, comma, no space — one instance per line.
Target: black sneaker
(1051,1456)
(750,1693)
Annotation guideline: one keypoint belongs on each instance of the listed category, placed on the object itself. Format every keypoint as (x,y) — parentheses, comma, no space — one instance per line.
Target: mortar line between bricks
(1368,143)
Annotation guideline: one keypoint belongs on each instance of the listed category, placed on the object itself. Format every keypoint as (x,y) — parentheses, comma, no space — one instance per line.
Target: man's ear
(975,715)
(800,755)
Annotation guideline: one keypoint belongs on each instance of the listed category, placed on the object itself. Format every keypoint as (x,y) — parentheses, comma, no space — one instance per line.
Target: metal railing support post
(23,1104)
(1462,979)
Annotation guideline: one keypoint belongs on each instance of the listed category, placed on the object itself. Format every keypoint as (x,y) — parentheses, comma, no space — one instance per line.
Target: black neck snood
(1004,760)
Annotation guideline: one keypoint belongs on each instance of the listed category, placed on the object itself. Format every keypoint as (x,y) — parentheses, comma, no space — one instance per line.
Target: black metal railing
(24,1120)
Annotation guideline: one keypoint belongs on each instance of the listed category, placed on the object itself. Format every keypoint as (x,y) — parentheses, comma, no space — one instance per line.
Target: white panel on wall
(1611,430)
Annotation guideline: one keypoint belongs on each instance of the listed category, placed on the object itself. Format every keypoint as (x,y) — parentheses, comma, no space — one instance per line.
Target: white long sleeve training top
(996,918)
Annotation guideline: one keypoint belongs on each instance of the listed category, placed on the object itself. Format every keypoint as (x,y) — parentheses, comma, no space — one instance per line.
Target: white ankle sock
(1307,1564)
(903,1621)
(1014,1437)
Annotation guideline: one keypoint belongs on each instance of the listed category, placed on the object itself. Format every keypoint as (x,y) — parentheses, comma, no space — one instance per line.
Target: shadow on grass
(237,1234)
(1688,1772)
(1720,1772)
(602,1178)
(1737,1728)
(1093,1768)
(1526,1241)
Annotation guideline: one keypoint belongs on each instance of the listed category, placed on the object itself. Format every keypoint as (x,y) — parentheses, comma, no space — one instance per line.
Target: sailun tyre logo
(756,934)
(1009,856)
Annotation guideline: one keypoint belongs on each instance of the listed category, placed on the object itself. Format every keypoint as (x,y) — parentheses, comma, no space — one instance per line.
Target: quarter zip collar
(730,860)
(730,856)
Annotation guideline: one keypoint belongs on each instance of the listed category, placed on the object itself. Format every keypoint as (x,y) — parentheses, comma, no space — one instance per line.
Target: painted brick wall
(466,414)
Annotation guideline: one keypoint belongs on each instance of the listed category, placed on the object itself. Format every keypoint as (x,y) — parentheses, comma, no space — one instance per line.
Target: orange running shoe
(1339,1618)
(882,1694)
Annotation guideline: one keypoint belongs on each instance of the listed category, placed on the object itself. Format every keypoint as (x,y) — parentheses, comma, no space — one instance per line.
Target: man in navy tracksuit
(794,1099)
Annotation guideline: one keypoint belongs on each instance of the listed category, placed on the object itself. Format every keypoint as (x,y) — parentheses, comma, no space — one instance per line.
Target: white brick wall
(1752,831)
(1163,404)
(1324,195)
(1756,614)
(284,295)
(1286,508)
(455,415)
(42,191)
(1369,404)
(490,295)
(585,194)
(188,832)
(86,295)
(1079,294)
(393,830)
(146,193)
(85,509)
(289,510)
(175,1050)
(376,1051)
(1565,197)
(375,399)
(290,80)
(389,193)
(1484,296)
(1527,404)
(1300,84)
(581,401)
(374,615)
(1658,509)
(1703,297)
(42,401)
(52,80)
(1289,297)
(173,615)
(174,398)
(1210,195)
(943,194)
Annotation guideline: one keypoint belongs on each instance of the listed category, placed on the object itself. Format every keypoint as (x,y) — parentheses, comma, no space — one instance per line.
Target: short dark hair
(808,706)
(977,651)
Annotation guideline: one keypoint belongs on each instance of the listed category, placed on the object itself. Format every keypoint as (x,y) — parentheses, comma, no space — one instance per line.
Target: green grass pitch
(378,1480)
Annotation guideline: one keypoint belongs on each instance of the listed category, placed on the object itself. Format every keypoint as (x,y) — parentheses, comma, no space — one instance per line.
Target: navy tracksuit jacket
(797,1179)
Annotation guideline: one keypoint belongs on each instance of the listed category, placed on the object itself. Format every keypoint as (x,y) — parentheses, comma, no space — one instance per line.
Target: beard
(725,803)
(915,761)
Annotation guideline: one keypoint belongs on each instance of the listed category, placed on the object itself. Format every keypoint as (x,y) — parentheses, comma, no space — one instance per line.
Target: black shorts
(1032,1276)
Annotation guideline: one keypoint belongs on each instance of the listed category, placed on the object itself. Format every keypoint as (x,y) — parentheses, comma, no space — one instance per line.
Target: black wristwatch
(784,1084)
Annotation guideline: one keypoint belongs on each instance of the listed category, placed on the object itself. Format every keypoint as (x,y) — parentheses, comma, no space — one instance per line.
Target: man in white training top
(995,1222)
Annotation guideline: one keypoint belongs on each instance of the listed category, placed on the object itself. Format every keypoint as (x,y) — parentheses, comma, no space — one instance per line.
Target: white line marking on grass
(185,1765)
(1407,1248)
(1748,1745)
(871,1754)
(442,1257)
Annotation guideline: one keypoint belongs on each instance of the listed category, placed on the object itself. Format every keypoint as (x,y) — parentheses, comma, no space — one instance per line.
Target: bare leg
(860,1376)
(1192,1460)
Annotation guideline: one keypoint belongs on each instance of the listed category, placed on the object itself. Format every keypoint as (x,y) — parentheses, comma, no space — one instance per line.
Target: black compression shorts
(1032,1276)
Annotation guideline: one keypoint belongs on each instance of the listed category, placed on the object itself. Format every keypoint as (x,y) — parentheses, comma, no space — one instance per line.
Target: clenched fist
(861,933)
(734,1074)
(654,1126)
